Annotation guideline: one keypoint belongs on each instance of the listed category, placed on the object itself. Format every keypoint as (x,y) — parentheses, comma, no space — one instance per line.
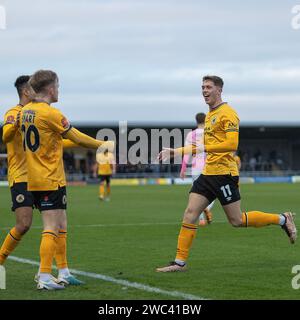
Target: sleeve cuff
(67,130)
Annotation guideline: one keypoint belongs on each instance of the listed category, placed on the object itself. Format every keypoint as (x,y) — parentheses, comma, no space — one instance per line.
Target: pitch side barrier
(188,181)
(173,181)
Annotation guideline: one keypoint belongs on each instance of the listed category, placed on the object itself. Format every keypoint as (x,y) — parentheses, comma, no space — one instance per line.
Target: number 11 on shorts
(226,191)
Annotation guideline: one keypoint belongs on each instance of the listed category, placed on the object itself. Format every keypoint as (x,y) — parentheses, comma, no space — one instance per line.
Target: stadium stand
(264,151)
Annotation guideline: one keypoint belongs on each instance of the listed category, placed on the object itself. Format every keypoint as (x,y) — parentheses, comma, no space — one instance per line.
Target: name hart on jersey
(28,116)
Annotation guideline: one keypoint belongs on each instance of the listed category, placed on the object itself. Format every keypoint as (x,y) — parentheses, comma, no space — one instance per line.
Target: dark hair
(215,79)
(200,118)
(41,79)
(20,83)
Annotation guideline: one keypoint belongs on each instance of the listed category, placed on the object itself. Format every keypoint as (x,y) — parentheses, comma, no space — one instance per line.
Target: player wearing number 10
(22,199)
(219,178)
(43,129)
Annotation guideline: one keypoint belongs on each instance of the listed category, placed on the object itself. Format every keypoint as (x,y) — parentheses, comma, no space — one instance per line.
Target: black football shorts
(20,196)
(222,187)
(105,177)
(50,200)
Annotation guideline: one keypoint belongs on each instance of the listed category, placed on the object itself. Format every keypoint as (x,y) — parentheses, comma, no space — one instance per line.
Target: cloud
(143,53)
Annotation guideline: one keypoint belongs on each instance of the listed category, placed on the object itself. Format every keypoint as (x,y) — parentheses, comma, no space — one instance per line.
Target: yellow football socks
(108,191)
(10,243)
(61,250)
(259,219)
(47,250)
(101,191)
(185,240)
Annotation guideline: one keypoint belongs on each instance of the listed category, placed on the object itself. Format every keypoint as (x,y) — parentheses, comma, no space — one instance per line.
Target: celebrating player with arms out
(219,178)
(43,129)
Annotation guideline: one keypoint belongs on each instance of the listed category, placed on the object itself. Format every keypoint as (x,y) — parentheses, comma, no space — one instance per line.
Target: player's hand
(166,154)
(107,145)
(182,175)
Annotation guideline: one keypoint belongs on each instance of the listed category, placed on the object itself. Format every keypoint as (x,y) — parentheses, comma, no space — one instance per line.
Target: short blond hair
(41,79)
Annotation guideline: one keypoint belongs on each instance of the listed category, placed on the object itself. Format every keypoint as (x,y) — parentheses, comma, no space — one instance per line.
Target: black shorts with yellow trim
(225,188)
(51,200)
(105,177)
(20,196)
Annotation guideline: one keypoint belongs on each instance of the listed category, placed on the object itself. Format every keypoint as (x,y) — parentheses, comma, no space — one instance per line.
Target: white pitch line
(135,285)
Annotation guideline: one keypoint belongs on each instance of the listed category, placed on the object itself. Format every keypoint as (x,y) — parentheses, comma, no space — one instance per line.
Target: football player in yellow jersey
(219,178)
(43,129)
(106,168)
(22,199)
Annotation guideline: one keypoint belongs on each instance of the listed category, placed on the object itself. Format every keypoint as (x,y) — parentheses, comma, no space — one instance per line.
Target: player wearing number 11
(219,178)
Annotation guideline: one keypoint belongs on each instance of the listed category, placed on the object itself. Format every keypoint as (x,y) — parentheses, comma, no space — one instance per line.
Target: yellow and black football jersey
(218,122)
(17,170)
(105,163)
(42,127)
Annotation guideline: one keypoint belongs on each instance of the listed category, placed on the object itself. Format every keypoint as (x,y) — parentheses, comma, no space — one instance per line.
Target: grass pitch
(137,231)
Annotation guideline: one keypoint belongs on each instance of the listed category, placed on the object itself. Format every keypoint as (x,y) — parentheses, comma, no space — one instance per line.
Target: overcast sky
(143,60)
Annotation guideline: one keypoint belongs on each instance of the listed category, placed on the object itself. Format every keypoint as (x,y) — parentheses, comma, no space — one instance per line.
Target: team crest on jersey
(20,198)
(65,123)
(213,120)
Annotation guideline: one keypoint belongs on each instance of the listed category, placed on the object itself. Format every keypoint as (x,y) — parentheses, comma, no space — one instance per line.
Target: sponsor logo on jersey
(232,125)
